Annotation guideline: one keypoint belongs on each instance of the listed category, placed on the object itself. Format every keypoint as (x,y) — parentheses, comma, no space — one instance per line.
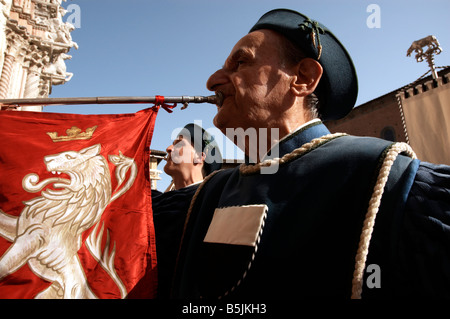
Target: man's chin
(220,122)
(168,168)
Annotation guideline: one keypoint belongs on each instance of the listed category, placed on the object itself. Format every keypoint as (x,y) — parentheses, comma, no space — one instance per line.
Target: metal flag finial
(433,48)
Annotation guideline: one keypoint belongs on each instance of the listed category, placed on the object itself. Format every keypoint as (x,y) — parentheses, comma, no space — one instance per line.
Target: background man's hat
(204,142)
(338,88)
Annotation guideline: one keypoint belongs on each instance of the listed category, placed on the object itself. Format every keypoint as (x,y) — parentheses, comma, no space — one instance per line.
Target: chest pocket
(229,247)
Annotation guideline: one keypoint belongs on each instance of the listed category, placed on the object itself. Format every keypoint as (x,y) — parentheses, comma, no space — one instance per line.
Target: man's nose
(217,79)
(169,149)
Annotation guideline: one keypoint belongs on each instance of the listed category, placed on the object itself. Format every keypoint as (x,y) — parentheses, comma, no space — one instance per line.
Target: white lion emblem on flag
(47,234)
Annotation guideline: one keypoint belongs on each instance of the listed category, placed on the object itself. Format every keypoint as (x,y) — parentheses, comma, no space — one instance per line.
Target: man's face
(181,155)
(253,82)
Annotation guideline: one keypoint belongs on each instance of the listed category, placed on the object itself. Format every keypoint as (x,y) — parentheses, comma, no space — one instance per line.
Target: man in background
(192,156)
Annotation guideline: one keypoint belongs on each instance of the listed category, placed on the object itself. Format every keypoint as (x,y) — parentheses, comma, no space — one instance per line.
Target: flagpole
(213,99)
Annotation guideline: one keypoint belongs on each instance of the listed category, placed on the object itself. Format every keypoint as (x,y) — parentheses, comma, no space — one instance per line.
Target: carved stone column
(5,7)
(5,78)
(32,83)
(32,88)
(13,45)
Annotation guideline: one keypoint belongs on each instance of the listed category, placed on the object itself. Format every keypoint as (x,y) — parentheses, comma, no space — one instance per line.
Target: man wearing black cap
(193,155)
(339,215)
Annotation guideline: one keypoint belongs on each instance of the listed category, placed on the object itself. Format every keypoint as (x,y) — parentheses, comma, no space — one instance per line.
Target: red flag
(75,205)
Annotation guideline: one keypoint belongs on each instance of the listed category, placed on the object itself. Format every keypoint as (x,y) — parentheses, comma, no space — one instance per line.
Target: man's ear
(199,157)
(307,77)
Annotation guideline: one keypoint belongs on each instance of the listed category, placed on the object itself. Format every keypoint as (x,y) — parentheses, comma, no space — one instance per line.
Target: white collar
(173,186)
(194,184)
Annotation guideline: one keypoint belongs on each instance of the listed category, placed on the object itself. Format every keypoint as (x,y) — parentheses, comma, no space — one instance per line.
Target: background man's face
(180,156)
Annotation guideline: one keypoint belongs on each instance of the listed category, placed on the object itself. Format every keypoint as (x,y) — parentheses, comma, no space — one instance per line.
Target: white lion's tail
(106,256)
(123,164)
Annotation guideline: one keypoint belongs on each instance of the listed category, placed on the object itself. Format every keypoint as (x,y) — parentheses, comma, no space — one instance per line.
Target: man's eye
(239,63)
(236,65)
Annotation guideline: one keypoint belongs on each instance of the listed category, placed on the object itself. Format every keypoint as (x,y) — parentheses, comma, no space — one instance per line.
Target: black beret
(338,87)
(204,142)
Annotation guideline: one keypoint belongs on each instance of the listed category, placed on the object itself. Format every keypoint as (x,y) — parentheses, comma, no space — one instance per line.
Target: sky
(171,47)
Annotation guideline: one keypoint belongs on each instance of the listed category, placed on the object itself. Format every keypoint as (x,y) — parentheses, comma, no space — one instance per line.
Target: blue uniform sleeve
(424,238)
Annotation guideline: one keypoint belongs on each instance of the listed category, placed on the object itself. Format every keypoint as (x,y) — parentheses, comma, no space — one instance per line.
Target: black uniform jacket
(295,232)
(169,214)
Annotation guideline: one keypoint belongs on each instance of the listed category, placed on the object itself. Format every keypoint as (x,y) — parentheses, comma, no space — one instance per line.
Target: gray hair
(290,54)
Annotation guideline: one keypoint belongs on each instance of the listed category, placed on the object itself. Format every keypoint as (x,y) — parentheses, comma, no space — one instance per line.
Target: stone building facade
(34,44)
(155,158)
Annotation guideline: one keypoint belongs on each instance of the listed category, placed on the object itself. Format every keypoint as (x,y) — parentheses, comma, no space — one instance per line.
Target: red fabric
(159,102)
(47,230)
(159,99)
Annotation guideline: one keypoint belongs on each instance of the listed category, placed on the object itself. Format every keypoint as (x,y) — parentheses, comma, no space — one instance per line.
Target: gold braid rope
(307,147)
(374,205)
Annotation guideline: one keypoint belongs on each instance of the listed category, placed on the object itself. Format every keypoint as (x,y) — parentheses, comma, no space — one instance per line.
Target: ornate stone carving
(59,32)
(58,69)
(37,43)
(433,48)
